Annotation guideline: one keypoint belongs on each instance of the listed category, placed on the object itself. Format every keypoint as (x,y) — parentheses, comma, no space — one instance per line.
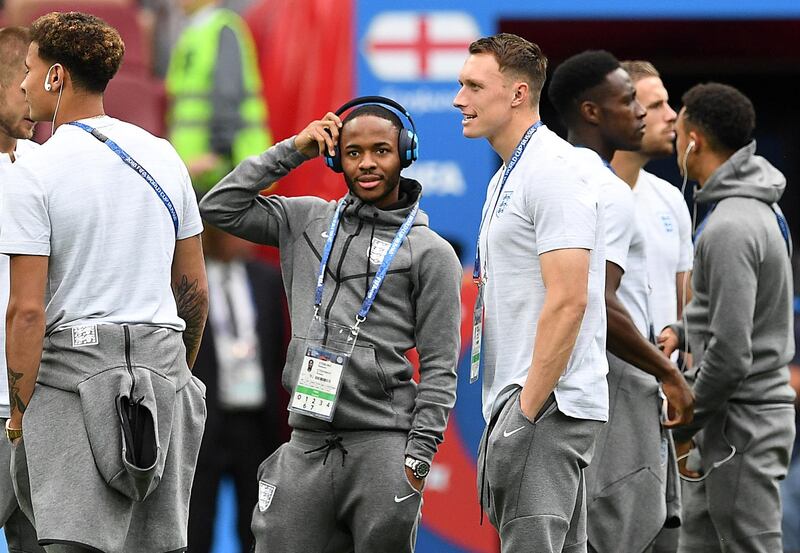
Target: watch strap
(418,467)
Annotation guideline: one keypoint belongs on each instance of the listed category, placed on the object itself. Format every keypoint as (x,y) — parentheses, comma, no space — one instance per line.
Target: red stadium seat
(137,99)
(133,98)
(123,15)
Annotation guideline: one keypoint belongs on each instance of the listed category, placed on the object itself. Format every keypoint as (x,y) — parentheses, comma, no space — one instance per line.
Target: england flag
(414,46)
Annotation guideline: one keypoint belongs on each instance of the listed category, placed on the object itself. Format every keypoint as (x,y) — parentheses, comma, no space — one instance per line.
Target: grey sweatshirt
(739,322)
(418,304)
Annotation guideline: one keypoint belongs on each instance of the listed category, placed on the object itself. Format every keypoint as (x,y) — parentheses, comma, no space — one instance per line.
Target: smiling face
(370,160)
(485,98)
(621,116)
(15,118)
(659,135)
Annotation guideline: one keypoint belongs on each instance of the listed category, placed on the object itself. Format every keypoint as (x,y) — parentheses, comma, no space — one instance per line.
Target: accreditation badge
(327,352)
(477,333)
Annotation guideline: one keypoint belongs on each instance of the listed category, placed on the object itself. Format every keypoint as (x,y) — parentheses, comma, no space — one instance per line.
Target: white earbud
(47,85)
(684,171)
(689,148)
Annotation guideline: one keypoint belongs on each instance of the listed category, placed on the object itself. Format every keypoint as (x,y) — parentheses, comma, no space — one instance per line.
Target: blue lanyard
(782,224)
(476,272)
(141,171)
(379,277)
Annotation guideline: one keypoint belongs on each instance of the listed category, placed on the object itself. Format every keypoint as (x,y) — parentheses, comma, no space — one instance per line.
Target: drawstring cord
(330,444)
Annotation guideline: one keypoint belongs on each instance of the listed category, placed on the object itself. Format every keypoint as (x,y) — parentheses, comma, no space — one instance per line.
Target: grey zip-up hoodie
(418,304)
(739,322)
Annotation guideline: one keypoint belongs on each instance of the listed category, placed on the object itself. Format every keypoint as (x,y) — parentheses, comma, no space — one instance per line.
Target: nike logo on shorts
(506,433)
(401,499)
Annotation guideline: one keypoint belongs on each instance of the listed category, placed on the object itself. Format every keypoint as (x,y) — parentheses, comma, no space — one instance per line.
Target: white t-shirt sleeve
(564,214)
(25,219)
(619,221)
(686,256)
(190,223)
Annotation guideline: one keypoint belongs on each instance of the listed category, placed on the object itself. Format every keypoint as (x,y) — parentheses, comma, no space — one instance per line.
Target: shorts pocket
(547,409)
(20,478)
(410,485)
(630,511)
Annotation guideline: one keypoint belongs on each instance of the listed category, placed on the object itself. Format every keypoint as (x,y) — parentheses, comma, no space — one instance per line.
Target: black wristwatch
(420,469)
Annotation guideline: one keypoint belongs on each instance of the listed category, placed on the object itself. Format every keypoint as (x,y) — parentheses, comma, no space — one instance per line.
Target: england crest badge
(266,492)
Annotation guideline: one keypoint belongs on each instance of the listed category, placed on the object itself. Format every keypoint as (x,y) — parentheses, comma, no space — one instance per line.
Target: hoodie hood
(410,194)
(744,175)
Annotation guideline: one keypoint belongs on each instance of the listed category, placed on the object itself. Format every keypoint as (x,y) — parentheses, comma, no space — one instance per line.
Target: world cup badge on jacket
(377,251)
(266,492)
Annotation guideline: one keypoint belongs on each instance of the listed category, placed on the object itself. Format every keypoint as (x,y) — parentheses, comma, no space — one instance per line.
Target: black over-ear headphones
(407,141)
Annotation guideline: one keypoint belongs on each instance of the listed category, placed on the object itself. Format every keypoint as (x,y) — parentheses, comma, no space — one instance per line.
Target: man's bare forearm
(557,332)
(192,303)
(626,342)
(24,352)
(683,286)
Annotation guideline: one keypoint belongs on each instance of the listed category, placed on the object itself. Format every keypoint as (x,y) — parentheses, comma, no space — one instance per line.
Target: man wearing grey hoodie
(385,429)
(738,327)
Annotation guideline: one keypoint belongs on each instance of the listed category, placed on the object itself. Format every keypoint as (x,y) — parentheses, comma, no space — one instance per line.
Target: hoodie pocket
(366,375)
(128,428)
(364,399)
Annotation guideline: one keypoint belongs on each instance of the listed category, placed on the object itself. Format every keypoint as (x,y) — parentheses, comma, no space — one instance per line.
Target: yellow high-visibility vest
(189,82)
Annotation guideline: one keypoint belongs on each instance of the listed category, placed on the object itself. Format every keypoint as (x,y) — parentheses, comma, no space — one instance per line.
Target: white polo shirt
(109,237)
(625,243)
(547,204)
(667,226)
(22,149)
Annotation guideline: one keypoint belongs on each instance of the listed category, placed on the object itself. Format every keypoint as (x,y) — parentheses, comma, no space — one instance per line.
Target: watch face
(423,469)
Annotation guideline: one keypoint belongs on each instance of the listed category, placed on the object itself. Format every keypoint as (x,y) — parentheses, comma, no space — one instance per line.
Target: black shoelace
(330,444)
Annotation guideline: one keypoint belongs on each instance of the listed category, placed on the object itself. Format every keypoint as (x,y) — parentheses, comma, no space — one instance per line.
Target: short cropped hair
(88,47)
(639,69)
(14,43)
(575,76)
(723,113)
(375,110)
(516,56)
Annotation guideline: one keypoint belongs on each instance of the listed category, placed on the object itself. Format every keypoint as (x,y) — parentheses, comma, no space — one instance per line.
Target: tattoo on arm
(192,307)
(16,401)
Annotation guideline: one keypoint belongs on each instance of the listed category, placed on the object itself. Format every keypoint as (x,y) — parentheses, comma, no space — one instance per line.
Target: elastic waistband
(109,329)
(72,355)
(349,437)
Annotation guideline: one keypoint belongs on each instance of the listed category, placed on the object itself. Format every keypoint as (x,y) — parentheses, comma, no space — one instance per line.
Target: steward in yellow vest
(217,116)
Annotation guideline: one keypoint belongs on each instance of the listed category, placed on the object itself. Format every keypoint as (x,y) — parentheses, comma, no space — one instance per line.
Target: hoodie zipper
(127,332)
(345,248)
(369,256)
